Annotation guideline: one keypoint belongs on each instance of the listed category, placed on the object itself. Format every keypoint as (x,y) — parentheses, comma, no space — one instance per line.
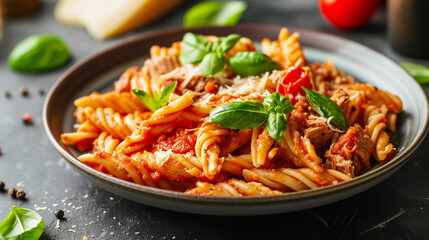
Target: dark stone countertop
(398,208)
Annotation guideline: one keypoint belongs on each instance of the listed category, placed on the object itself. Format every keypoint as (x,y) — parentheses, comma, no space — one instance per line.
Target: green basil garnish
(214,14)
(239,115)
(212,64)
(276,102)
(252,64)
(39,53)
(22,224)
(193,48)
(158,101)
(327,108)
(211,57)
(226,43)
(419,72)
(276,125)
(250,114)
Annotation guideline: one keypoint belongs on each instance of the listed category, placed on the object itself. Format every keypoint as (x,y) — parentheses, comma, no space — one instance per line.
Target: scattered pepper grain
(2,185)
(12,192)
(20,194)
(0,150)
(23,91)
(7,94)
(59,214)
(41,92)
(27,119)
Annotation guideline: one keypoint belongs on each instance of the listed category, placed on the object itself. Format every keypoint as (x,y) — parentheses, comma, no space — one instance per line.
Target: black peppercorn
(12,192)
(41,92)
(59,214)
(20,194)
(23,91)
(2,186)
(7,94)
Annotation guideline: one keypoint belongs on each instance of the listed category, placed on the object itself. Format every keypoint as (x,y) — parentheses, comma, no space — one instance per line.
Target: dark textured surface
(398,208)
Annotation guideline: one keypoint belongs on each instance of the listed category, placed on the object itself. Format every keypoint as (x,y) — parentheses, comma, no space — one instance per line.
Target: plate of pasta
(245,120)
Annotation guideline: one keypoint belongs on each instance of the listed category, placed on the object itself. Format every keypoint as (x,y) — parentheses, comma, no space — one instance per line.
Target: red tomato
(291,85)
(348,14)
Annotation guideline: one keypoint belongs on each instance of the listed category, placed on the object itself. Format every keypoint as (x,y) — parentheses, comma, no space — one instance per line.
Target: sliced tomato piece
(291,85)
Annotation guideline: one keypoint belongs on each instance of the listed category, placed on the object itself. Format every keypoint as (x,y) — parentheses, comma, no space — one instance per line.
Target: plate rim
(389,167)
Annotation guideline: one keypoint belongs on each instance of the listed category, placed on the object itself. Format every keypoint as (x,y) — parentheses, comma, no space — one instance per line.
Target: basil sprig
(327,108)
(22,224)
(419,72)
(210,57)
(214,13)
(252,64)
(158,101)
(250,114)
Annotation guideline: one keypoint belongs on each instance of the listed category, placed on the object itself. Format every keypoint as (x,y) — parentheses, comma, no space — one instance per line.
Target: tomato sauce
(181,142)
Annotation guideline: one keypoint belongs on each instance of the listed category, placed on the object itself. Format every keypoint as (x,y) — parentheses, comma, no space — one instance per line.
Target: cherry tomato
(348,14)
(291,85)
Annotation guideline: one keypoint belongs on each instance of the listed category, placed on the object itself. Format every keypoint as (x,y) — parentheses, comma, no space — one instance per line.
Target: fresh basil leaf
(325,107)
(146,99)
(193,48)
(156,96)
(276,125)
(252,64)
(22,224)
(224,44)
(276,102)
(39,53)
(214,13)
(212,64)
(418,71)
(239,115)
(165,94)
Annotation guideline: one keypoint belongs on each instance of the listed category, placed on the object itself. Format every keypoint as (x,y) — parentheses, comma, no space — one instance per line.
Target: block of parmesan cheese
(109,18)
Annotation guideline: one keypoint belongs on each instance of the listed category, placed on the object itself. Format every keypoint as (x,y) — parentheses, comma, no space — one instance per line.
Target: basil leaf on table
(214,13)
(224,44)
(212,64)
(239,115)
(193,48)
(418,71)
(327,108)
(22,224)
(39,53)
(158,101)
(276,125)
(252,64)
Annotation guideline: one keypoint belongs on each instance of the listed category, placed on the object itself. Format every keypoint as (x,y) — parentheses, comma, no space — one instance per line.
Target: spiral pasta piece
(302,148)
(327,78)
(232,187)
(83,137)
(130,169)
(107,120)
(121,102)
(105,143)
(375,122)
(261,146)
(207,149)
(291,179)
(186,166)
(286,51)
(379,97)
